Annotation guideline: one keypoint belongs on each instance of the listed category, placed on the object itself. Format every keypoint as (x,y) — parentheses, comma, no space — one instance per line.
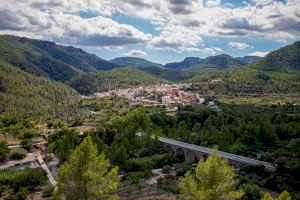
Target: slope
(24,93)
(134,62)
(116,78)
(219,62)
(45,58)
(278,72)
(186,63)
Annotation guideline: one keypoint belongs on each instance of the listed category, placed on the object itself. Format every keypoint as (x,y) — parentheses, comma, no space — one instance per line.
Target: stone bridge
(192,153)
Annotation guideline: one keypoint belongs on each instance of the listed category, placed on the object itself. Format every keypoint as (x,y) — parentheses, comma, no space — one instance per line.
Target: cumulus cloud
(238,45)
(258,53)
(212,50)
(137,52)
(176,39)
(67,28)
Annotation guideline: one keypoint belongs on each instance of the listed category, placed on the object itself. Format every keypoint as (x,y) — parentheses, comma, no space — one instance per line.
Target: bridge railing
(226,155)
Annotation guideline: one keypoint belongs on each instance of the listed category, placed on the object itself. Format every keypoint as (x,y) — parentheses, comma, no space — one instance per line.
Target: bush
(21,194)
(30,178)
(135,177)
(166,169)
(146,163)
(17,153)
(3,150)
(26,144)
(48,191)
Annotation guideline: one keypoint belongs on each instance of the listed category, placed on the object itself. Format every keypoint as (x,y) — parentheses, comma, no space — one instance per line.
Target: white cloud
(135,53)
(176,39)
(212,50)
(258,53)
(56,24)
(238,45)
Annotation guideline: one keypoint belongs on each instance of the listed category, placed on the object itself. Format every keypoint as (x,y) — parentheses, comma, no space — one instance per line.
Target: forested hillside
(134,62)
(24,93)
(116,78)
(186,63)
(270,75)
(43,58)
(193,67)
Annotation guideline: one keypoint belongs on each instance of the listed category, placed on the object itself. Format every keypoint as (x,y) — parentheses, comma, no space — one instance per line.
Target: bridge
(192,153)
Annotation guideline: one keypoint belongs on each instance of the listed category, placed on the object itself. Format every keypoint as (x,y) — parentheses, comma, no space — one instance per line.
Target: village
(168,96)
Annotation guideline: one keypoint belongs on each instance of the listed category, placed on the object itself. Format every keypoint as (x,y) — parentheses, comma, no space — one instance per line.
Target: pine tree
(283,196)
(86,175)
(213,179)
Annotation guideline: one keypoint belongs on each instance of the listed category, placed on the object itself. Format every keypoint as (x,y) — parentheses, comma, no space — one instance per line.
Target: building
(165,100)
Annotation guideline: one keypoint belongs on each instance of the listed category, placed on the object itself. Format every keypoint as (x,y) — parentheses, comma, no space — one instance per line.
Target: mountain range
(41,76)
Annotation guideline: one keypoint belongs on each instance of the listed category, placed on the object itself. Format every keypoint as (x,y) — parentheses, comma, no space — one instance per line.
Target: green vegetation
(17,153)
(86,175)
(18,183)
(283,196)
(116,78)
(26,94)
(134,62)
(213,179)
(269,133)
(272,77)
(63,142)
(4,150)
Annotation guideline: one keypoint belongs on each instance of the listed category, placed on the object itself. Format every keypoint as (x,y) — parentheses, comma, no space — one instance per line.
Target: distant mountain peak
(186,63)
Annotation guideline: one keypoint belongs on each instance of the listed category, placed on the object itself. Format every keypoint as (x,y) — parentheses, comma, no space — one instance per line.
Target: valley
(71,111)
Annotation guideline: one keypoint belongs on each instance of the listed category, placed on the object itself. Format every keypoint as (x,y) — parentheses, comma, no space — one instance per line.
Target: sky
(161,31)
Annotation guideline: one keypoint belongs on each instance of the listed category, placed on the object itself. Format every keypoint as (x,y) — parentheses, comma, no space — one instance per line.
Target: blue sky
(160,31)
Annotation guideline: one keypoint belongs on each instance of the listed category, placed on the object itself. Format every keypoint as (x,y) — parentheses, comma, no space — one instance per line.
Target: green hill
(177,73)
(24,93)
(283,59)
(43,58)
(134,62)
(278,73)
(116,78)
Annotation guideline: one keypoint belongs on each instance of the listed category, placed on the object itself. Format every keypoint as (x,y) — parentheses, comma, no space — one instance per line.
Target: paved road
(226,155)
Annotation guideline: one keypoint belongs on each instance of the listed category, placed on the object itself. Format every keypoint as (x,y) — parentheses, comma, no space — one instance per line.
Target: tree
(213,179)
(26,144)
(283,196)
(86,175)
(197,127)
(3,150)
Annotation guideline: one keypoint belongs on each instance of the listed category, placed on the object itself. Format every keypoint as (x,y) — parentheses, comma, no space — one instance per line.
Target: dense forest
(25,94)
(117,78)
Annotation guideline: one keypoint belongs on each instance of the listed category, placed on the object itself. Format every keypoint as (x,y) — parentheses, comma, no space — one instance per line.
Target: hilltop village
(168,96)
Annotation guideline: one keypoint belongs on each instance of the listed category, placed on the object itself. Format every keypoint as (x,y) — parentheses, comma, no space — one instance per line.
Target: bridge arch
(191,157)
(180,154)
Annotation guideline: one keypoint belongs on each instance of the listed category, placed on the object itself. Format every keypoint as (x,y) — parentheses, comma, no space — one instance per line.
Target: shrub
(21,194)
(166,169)
(3,150)
(48,191)
(17,153)
(30,178)
(26,144)
(135,177)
